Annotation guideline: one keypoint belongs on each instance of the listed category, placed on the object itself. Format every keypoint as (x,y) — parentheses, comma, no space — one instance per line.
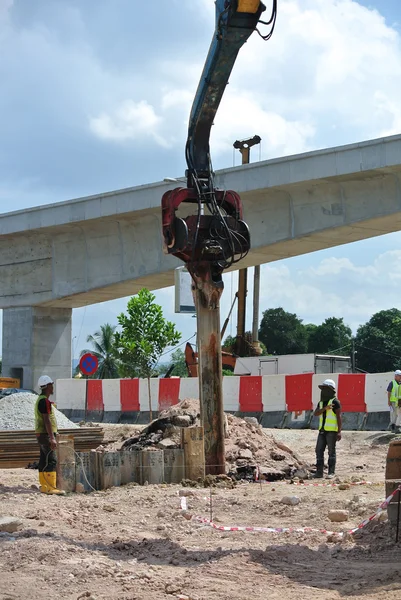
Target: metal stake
(398,515)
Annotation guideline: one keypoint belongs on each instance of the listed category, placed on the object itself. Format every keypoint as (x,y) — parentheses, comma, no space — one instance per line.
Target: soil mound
(248,448)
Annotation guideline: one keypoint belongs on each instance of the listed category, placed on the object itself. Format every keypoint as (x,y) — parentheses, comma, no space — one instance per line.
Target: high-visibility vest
(39,422)
(330,423)
(395,392)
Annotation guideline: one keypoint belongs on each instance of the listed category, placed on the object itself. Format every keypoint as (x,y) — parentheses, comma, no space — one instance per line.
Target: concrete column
(36,341)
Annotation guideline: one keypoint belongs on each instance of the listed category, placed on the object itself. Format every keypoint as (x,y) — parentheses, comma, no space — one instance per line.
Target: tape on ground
(209,523)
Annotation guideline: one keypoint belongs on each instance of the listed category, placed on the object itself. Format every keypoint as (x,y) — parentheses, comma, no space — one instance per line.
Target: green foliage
(144,336)
(103,348)
(228,373)
(378,342)
(310,329)
(283,332)
(178,360)
(229,345)
(330,336)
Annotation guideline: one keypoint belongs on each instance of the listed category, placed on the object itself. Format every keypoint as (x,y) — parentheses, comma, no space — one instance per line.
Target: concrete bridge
(61,256)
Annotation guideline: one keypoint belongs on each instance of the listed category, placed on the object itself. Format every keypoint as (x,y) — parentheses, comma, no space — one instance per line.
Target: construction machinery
(216,236)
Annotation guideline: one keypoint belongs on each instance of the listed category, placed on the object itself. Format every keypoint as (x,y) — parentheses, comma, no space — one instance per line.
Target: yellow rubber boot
(50,478)
(43,486)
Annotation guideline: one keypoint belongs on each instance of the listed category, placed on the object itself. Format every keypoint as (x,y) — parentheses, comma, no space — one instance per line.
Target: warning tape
(213,525)
(381,508)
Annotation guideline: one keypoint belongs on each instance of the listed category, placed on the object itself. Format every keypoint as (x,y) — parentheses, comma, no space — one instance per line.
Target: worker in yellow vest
(330,424)
(46,432)
(394,399)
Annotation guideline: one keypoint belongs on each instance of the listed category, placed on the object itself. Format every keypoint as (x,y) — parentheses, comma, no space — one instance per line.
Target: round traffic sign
(88,364)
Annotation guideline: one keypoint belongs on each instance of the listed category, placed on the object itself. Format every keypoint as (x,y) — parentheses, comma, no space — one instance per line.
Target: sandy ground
(134,543)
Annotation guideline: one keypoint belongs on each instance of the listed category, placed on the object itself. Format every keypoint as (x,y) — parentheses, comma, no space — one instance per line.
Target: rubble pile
(247,446)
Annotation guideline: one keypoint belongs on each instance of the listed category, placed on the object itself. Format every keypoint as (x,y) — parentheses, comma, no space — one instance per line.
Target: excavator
(215,237)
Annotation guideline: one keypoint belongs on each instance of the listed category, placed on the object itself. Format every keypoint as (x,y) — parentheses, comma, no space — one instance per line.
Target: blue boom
(235,22)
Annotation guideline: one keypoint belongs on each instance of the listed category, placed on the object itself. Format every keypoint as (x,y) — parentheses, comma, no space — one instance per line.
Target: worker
(46,432)
(330,425)
(393,397)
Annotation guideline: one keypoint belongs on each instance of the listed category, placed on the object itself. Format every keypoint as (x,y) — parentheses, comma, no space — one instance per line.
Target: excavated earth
(246,445)
(134,543)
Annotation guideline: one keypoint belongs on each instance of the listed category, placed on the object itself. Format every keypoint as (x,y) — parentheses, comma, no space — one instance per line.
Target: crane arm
(236,20)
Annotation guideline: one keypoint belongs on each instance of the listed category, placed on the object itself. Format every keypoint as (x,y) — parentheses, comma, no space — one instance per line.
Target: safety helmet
(397,372)
(44,380)
(328,383)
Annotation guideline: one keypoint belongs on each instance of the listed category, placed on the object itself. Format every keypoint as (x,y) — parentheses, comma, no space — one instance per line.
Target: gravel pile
(17,412)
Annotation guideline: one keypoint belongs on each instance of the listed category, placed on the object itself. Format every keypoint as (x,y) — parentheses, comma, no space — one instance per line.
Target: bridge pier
(36,341)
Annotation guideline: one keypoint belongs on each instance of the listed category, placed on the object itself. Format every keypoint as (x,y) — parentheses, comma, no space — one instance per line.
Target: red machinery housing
(205,242)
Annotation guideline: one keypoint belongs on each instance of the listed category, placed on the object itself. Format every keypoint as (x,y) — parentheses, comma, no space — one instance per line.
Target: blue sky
(96,96)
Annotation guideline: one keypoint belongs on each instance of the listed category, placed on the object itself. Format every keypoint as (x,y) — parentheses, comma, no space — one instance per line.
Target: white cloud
(331,74)
(129,121)
(335,287)
(331,65)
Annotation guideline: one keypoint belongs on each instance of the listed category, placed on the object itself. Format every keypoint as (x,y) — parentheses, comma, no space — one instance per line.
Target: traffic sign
(88,364)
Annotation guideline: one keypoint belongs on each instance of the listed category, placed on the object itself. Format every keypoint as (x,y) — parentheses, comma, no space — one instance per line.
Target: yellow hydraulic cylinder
(248,6)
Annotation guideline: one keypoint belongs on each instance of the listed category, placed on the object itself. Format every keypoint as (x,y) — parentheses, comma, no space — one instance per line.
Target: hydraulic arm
(216,236)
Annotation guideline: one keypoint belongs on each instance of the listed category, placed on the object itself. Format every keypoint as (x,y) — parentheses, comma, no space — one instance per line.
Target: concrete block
(144,417)
(86,471)
(131,417)
(96,416)
(377,421)
(131,467)
(273,419)
(353,421)
(174,465)
(299,420)
(257,415)
(111,416)
(109,469)
(152,466)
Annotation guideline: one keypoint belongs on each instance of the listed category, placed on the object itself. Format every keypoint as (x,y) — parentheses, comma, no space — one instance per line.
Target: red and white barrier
(295,394)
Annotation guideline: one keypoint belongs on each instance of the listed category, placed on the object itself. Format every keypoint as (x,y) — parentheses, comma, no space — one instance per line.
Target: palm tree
(103,348)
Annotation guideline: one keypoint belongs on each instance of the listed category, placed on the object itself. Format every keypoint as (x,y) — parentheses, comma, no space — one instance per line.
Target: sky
(96,96)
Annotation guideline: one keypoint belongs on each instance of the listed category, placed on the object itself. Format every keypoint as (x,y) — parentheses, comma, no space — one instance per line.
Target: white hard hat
(328,383)
(397,372)
(44,380)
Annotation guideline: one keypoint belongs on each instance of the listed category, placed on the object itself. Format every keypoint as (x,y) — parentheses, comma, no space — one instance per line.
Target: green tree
(310,328)
(378,343)
(330,336)
(283,332)
(103,348)
(145,335)
(177,361)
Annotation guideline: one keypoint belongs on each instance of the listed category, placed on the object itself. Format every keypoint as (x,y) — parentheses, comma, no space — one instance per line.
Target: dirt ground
(134,543)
